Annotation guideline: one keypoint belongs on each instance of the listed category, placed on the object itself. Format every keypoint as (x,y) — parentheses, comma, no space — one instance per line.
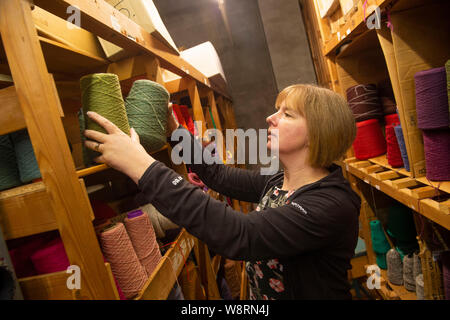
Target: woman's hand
(119,151)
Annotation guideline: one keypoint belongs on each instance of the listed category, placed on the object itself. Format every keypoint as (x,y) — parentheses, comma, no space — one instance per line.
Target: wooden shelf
(399,291)
(127,34)
(382,161)
(27,210)
(391,291)
(160,283)
(53,286)
(409,191)
(353,26)
(441,185)
(61,201)
(92,170)
(102,167)
(61,58)
(366,41)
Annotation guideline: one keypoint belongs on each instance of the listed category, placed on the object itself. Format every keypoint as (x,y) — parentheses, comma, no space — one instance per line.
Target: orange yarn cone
(143,238)
(125,265)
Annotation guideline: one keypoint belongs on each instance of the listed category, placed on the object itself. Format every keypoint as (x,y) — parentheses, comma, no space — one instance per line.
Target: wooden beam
(40,108)
(64,59)
(153,69)
(207,275)
(53,286)
(445,207)
(197,106)
(177,85)
(12,116)
(425,192)
(372,169)
(160,283)
(404,183)
(436,211)
(26,210)
(387,175)
(244,283)
(361,164)
(140,65)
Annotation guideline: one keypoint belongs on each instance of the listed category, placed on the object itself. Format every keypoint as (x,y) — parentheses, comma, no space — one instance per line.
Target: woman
(299,241)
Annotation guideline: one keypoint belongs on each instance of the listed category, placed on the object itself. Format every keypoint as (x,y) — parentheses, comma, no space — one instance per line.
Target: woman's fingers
(93,145)
(95,135)
(134,136)
(105,123)
(99,159)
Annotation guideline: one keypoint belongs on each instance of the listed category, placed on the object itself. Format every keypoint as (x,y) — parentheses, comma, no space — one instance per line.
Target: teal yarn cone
(380,243)
(101,93)
(146,107)
(9,172)
(26,159)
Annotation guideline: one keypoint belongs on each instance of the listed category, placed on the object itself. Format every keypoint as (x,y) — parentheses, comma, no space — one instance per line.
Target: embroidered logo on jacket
(299,207)
(177,180)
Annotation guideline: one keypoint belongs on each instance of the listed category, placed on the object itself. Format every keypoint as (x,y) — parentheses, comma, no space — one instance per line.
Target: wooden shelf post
(39,104)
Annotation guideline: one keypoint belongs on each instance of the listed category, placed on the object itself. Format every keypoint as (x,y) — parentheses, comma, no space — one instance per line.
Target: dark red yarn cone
(51,257)
(188,119)
(391,119)
(394,155)
(369,141)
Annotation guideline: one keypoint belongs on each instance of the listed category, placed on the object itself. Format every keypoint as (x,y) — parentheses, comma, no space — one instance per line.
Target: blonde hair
(331,125)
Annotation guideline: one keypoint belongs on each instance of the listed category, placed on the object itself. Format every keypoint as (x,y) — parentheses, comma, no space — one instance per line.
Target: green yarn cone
(401,227)
(101,93)
(9,172)
(82,122)
(146,107)
(26,159)
(401,223)
(379,243)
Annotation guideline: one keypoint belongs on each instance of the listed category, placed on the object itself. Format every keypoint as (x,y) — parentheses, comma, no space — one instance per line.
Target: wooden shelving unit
(351,54)
(409,191)
(44,98)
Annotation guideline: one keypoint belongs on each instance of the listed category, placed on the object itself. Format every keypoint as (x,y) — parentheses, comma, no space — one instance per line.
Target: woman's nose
(271,119)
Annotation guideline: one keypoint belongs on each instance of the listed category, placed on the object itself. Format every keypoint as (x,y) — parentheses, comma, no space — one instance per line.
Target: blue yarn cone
(26,160)
(9,172)
(401,144)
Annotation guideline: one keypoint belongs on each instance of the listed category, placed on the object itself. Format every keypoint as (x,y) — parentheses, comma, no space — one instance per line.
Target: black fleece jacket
(313,235)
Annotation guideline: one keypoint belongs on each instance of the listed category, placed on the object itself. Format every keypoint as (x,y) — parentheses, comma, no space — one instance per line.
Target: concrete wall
(253,39)
(242,49)
(287,42)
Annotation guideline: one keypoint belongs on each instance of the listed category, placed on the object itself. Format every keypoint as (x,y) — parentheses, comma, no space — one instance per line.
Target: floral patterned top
(265,278)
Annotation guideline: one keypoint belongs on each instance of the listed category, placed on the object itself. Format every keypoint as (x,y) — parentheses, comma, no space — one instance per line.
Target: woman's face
(289,129)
